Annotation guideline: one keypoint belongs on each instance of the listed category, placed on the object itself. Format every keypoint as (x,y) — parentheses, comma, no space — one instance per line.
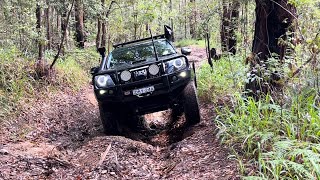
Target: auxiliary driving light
(125,76)
(154,69)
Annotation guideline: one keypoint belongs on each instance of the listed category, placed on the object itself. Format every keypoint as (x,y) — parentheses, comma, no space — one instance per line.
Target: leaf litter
(60,137)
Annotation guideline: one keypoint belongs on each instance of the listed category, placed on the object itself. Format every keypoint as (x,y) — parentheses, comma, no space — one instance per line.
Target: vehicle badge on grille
(140,73)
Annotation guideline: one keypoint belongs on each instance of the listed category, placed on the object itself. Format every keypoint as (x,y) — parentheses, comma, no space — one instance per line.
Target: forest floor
(60,137)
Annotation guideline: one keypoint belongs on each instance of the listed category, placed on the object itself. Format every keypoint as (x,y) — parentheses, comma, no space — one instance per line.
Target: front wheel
(191,104)
(110,120)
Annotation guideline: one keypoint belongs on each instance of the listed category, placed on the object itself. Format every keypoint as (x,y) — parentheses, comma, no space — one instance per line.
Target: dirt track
(61,138)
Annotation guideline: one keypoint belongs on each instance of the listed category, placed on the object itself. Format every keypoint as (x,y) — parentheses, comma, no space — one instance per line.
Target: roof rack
(139,40)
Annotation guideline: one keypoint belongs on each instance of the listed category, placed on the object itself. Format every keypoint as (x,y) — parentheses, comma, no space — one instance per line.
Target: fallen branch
(104,155)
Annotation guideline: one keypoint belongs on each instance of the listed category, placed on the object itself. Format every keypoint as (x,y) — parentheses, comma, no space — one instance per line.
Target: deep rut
(61,137)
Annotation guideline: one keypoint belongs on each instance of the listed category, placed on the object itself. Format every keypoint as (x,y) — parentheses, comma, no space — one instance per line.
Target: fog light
(102,92)
(183,74)
(110,92)
(174,78)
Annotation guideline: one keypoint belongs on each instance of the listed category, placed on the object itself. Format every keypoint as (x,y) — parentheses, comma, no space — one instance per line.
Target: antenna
(154,47)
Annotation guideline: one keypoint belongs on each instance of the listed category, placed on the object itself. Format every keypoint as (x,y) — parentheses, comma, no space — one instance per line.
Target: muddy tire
(191,104)
(136,122)
(176,112)
(110,121)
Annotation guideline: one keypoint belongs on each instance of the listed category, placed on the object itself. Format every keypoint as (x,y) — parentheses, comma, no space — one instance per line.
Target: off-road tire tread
(191,104)
(109,119)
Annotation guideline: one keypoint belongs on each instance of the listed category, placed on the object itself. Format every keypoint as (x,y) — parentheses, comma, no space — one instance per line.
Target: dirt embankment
(61,137)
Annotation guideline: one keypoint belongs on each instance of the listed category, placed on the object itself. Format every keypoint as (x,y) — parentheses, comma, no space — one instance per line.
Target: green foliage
(281,140)
(188,42)
(226,78)
(278,136)
(18,81)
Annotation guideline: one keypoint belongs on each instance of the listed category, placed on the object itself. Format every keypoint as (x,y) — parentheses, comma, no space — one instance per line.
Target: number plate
(138,92)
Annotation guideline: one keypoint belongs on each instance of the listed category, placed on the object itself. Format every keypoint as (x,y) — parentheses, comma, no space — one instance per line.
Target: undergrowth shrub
(282,141)
(225,78)
(188,42)
(18,79)
(273,138)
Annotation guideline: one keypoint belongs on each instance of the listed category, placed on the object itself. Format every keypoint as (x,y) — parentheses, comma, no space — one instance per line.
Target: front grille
(140,74)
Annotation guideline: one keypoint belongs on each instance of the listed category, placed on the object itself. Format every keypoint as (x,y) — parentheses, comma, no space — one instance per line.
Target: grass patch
(188,42)
(225,78)
(17,72)
(271,138)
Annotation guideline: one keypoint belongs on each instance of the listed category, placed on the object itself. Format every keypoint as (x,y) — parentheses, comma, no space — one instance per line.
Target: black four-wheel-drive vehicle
(144,76)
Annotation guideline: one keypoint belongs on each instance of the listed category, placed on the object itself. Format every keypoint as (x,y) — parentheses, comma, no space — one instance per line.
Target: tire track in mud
(61,138)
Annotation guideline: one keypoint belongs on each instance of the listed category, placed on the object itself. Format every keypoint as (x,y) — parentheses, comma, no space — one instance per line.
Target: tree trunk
(224,26)
(64,31)
(185,19)
(40,44)
(192,20)
(58,28)
(41,67)
(98,38)
(229,24)
(273,20)
(104,35)
(79,23)
(101,39)
(48,26)
(171,19)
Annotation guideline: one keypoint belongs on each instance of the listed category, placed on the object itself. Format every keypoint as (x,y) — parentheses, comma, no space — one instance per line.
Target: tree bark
(98,38)
(185,19)
(48,26)
(229,24)
(79,23)
(101,39)
(104,35)
(274,19)
(192,20)
(40,44)
(64,30)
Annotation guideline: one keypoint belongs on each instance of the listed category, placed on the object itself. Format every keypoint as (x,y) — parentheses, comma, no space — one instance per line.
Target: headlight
(175,65)
(178,63)
(103,81)
(154,69)
(125,76)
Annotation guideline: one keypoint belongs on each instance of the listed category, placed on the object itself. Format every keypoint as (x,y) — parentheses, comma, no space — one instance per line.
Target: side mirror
(168,33)
(185,51)
(94,70)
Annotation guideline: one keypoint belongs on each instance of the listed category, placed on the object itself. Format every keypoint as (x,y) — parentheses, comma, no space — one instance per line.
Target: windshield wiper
(168,54)
(135,62)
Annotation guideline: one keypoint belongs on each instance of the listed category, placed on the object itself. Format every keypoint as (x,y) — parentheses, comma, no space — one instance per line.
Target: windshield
(139,53)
